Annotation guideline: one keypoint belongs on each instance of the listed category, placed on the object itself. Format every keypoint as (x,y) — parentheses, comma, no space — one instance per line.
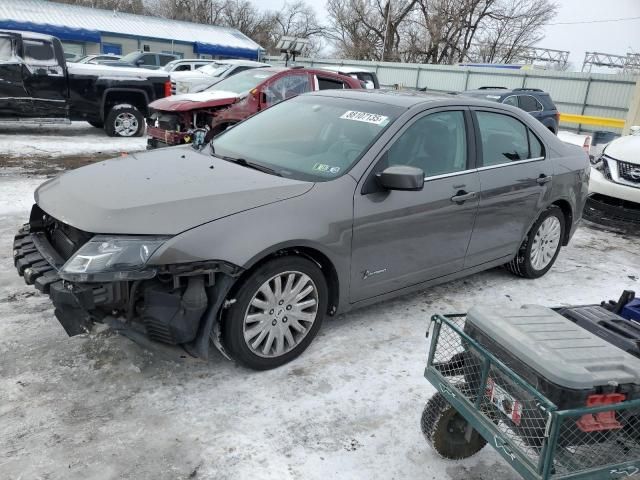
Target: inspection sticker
(321,167)
(365,117)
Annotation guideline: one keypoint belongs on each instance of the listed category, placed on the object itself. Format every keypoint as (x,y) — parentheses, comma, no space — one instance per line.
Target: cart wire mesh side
(525,427)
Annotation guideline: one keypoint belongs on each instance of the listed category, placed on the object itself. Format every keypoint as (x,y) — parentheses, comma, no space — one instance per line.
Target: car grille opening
(629,171)
(65,239)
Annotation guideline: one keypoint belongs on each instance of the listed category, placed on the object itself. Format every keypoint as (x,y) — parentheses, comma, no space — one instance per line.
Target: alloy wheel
(280,314)
(126,124)
(545,243)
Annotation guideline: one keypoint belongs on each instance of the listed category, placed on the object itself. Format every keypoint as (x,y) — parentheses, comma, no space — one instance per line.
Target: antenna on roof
(290,47)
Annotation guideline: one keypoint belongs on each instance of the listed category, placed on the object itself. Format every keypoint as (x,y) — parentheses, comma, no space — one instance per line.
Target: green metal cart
(482,400)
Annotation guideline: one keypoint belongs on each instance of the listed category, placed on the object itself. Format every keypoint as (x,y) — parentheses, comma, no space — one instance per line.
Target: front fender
(320,219)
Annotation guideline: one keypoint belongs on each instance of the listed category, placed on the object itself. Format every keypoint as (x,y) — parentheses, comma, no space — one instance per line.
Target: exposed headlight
(105,258)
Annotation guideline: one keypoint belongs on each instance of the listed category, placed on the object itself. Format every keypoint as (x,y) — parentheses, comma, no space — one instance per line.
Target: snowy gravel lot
(101,407)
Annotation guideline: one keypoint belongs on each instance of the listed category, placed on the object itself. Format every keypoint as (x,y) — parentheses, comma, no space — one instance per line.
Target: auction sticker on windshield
(374,118)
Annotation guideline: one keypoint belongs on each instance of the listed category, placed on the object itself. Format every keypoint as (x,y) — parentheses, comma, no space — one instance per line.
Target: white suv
(205,77)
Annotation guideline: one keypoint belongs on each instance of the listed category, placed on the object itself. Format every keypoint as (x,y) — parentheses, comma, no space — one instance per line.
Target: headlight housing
(109,258)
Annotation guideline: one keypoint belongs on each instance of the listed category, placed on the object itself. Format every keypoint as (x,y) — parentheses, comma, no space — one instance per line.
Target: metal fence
(595,94)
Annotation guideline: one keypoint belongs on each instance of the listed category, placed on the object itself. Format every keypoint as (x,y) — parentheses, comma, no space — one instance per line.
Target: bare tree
(370,28)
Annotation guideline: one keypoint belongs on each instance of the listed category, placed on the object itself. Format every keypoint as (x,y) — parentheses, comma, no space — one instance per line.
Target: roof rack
(493,88)
(528,90)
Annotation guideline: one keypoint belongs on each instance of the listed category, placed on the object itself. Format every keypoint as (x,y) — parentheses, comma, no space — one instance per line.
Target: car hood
(626,149)
(164,191)
(191,101)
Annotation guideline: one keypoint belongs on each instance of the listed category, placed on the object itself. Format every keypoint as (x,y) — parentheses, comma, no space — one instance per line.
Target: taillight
(558,117)
(603,420)
(167,88)
(586,146)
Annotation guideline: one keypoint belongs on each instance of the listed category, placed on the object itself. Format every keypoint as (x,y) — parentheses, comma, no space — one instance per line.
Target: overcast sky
(617,37)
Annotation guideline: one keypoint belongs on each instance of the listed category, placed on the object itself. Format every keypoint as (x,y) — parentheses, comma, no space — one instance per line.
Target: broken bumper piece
(75,305)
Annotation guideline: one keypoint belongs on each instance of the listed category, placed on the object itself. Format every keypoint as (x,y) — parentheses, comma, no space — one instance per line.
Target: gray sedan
(316,206)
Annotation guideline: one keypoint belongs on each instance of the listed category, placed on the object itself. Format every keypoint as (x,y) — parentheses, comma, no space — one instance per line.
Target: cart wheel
(444,428)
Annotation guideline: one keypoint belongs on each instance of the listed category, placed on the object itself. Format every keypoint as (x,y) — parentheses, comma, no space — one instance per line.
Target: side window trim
(478,140)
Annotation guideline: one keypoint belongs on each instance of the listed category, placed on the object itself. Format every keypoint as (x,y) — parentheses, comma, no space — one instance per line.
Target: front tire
(541,247)
(278,311)
(124,120)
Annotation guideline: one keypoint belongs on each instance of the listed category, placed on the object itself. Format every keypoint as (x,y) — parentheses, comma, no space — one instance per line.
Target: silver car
(316,206)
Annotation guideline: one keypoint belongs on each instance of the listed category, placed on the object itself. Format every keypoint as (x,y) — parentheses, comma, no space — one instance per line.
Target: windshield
(244,81)
(215,69)
(169,65)
(311,138)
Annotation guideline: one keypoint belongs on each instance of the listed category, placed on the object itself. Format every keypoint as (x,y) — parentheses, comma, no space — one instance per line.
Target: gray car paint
(160,192)
(232,223)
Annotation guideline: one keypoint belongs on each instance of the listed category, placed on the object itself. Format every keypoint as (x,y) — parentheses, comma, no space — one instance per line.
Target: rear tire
(541,247)
(124,120)
(275,318)
(444,429)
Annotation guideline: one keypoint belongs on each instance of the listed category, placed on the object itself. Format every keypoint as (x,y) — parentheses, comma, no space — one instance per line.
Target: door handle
(462,197)
(542,179)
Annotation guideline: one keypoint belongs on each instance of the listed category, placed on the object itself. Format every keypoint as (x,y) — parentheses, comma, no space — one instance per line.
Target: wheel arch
(114,96)
(567,211)
(302,249)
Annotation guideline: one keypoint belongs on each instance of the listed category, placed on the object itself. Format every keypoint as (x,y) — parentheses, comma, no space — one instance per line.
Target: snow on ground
(101,407)
(75,139)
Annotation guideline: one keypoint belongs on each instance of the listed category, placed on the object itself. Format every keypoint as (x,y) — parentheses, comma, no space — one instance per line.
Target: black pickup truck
(37,85)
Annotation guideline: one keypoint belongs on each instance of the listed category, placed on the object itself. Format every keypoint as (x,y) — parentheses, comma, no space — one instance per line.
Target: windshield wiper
(246,163)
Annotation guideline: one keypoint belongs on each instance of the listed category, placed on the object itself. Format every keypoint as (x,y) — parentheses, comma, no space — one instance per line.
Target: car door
(403,238)
(14,99)
(44,79)
(515,178)
(284,86)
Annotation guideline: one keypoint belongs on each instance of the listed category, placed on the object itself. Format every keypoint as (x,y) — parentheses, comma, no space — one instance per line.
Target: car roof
(242,63)
(408,98)
(344,69)
(33,35)
(506,91)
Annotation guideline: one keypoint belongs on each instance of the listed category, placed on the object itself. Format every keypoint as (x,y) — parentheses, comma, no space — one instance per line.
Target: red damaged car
(197,117)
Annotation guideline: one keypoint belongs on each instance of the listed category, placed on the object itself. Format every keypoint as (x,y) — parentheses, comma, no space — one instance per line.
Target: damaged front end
(106,279)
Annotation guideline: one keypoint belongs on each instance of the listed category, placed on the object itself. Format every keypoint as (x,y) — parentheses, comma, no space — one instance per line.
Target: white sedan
(204,77)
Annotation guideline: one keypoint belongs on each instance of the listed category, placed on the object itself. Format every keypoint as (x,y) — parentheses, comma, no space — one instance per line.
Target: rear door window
(529,103)
(149,59)
(182,68)
(164,59)
(326,83)
(38,51)
(505,139)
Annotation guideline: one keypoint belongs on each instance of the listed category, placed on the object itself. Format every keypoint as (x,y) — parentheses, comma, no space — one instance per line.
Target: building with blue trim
(86,31)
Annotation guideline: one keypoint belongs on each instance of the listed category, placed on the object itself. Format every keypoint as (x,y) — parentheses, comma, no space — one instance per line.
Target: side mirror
(140,62)
(401,177)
